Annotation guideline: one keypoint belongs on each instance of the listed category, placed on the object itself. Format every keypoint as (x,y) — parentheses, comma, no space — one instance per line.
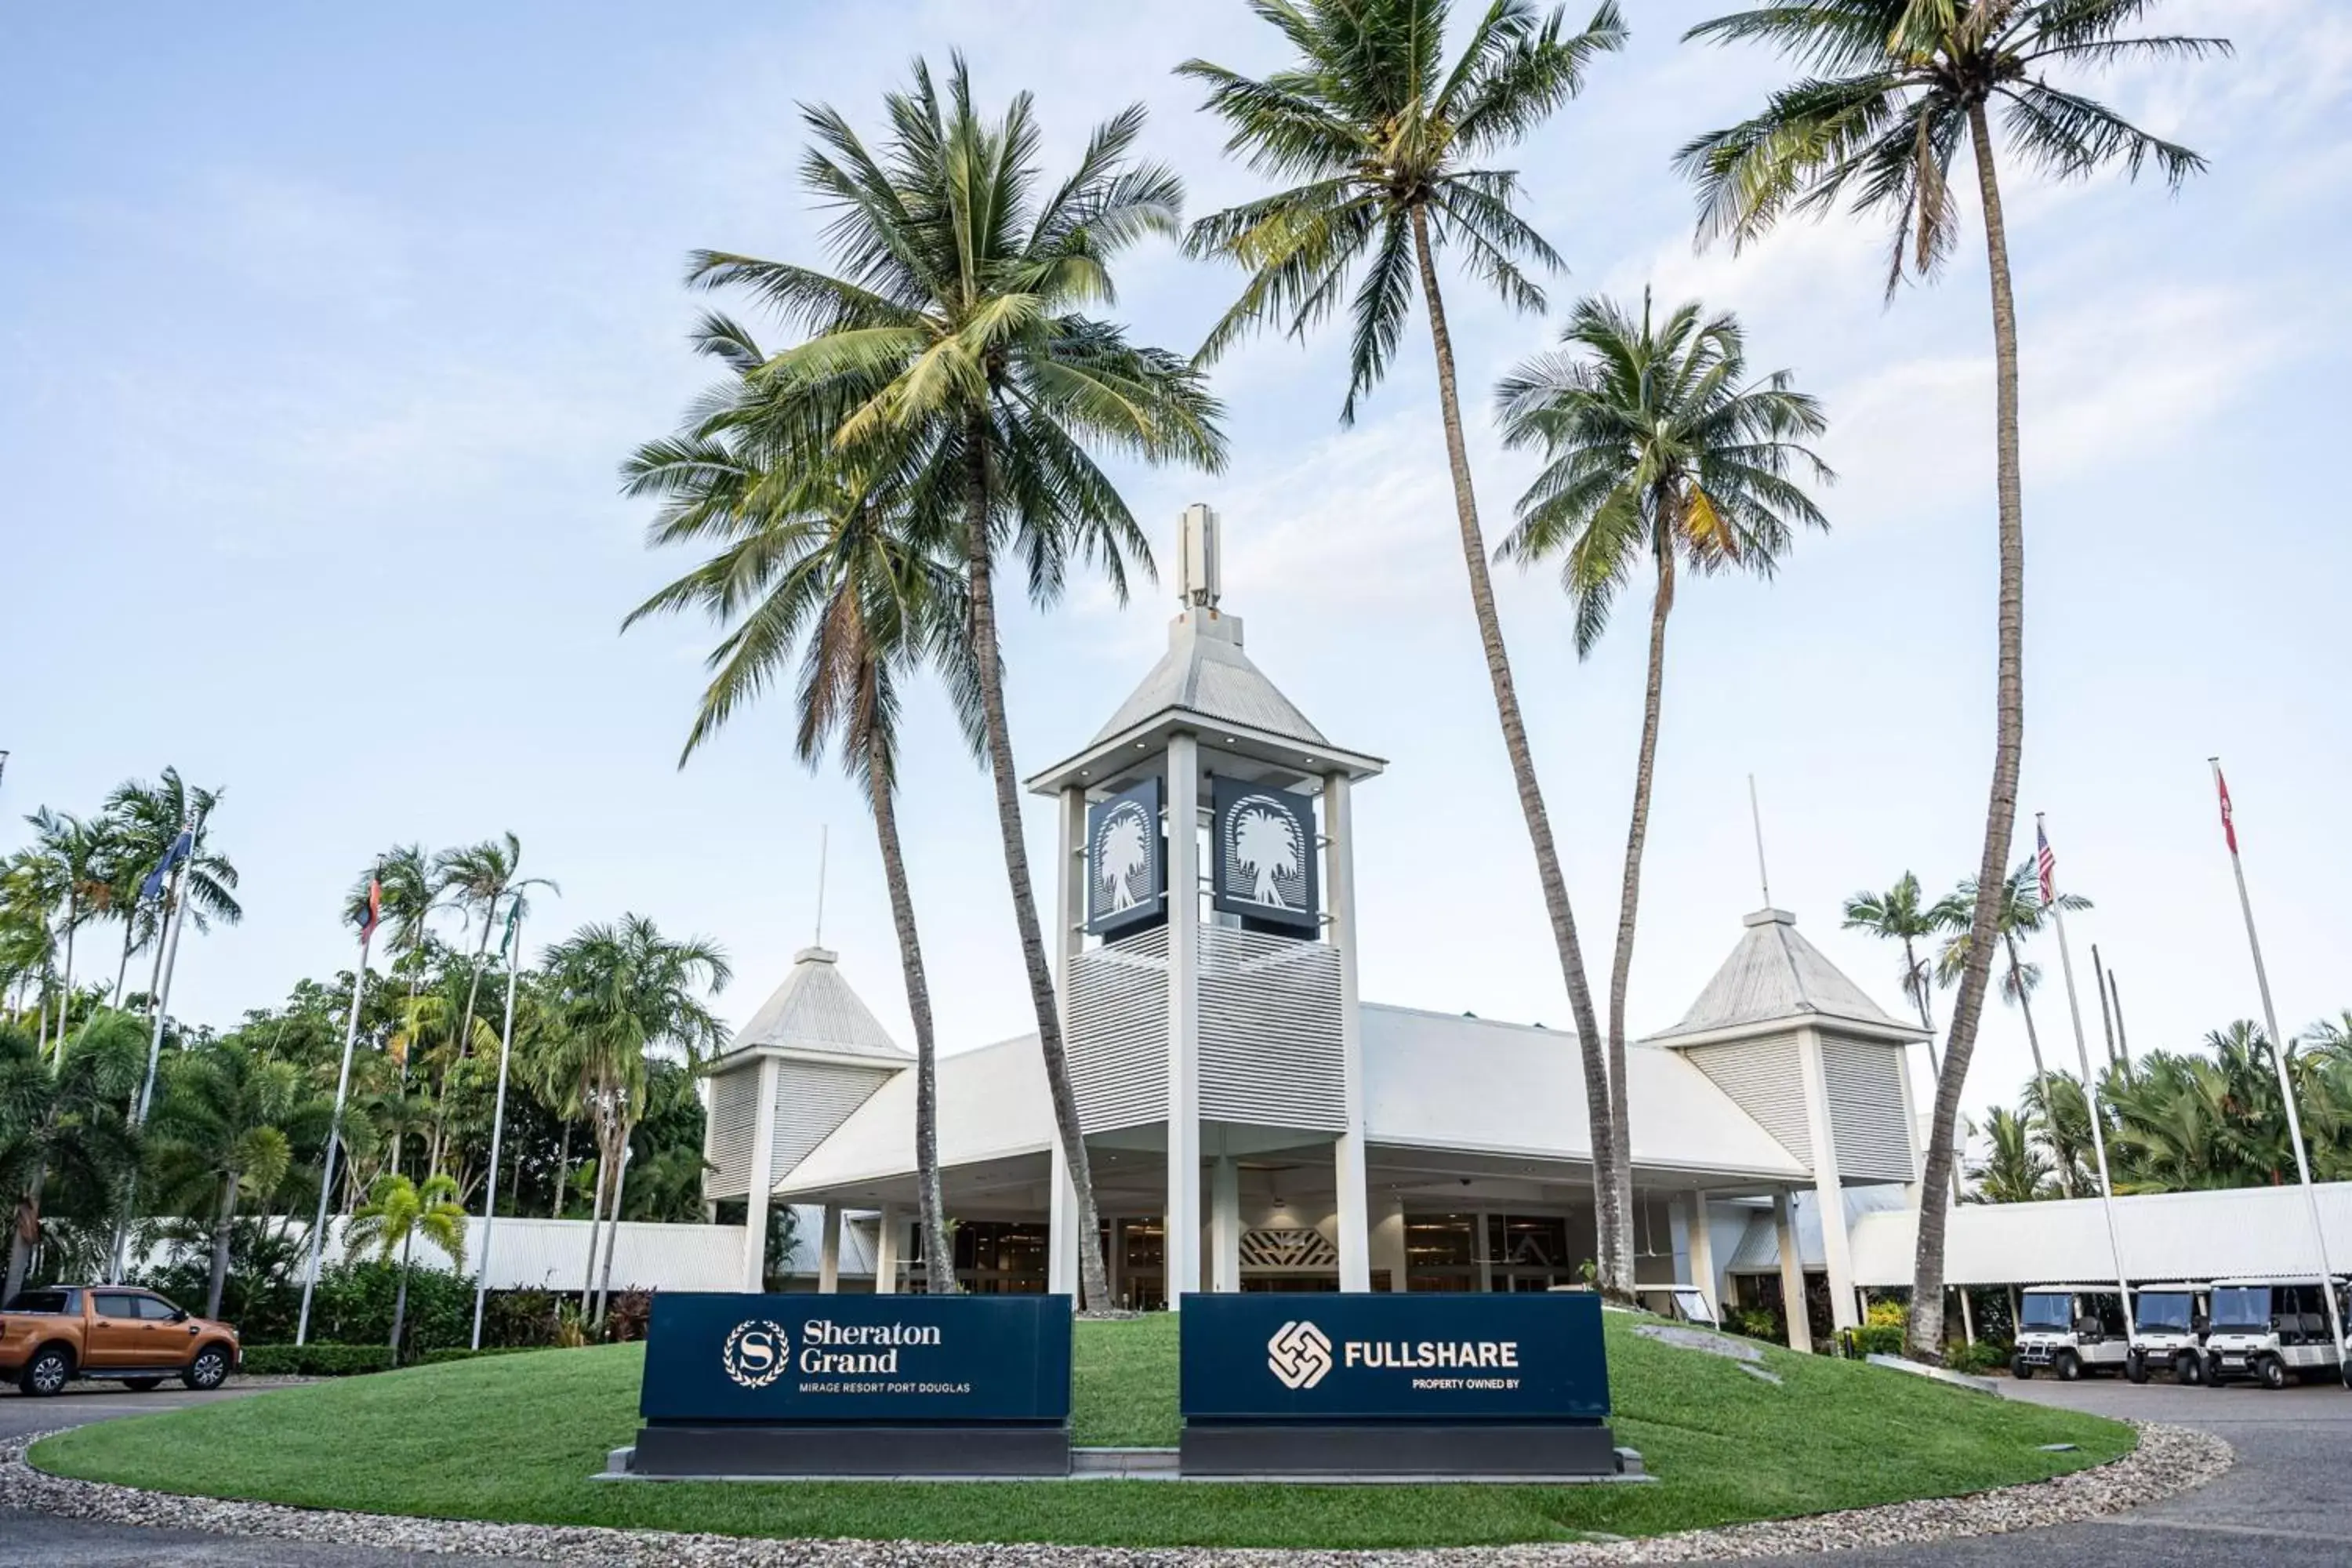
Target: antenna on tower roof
(823,833)
(1755,816)
(1200,571)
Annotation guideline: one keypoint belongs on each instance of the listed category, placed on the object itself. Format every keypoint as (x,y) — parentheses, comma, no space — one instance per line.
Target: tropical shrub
(1979,1358)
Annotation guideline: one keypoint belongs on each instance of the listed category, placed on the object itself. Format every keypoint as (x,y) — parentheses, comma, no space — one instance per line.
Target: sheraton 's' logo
(756,1353)
(1299,1354)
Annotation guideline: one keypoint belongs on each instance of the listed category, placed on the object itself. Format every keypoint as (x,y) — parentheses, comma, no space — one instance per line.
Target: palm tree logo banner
(1127,873)
(1265,854)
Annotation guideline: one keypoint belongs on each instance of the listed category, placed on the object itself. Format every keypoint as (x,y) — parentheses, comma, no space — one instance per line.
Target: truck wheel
(2020,1368)
(2273,1372)
(48,1372)
(2187,1370)
(2136,1367)
(2070,1367)
(143,1384)
(208,1370)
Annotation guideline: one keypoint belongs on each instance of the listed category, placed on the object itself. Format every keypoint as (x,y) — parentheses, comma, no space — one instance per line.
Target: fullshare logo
(756,1353)
(1299,1354)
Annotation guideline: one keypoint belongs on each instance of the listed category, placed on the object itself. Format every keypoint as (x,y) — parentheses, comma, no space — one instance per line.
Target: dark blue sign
(804,1359)
(1264,863)
(1127,862)
(1434,1357)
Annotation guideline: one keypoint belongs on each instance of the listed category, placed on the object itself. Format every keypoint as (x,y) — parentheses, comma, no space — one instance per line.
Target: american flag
(2045,863)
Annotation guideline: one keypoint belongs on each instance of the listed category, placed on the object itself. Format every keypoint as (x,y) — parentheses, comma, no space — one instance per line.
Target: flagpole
(2286,1085)
(335,1137)
(2090,1084)
(167,963)
(497,1121)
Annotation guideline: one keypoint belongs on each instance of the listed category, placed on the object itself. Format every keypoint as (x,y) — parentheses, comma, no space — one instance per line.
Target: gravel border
(2167,1460)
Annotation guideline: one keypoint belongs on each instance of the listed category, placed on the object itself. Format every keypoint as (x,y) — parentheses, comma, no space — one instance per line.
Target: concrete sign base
(1476,1452)
(678,1451)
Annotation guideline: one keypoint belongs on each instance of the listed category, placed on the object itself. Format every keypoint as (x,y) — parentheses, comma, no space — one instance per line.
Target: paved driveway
(2286,1504)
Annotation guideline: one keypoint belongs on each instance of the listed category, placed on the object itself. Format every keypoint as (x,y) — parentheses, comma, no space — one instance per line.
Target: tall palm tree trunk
(2060,1154)
(122,969)
(400,1297)
(1608,1195)
(2009,745)
(596,1230)
(464,1039)
(619,1162)
(24,1225)
(222,1223)
(939,1258)
(64,1007)
(563,1172)
(1093,1281)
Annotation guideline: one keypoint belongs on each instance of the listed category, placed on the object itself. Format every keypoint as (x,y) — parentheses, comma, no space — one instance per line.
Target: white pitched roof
(992,1103)
(815,1011)
(1205,672)
(1774,975)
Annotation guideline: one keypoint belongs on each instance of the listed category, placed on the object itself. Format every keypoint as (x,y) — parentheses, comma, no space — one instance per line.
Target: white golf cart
(2271,1331)
(2169,1324)
(2070,1330)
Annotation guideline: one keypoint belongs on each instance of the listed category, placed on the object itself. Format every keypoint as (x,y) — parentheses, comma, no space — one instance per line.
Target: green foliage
(1982,1357)
(535,1427)
(1875,1339)
(435,1358)
(315,1359)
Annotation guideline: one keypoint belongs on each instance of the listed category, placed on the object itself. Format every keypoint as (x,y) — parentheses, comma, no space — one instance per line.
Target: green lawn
(516,1437)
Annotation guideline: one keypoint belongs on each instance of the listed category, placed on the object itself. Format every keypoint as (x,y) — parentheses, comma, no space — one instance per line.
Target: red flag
(2229,827)
(2047,864)
(374,915)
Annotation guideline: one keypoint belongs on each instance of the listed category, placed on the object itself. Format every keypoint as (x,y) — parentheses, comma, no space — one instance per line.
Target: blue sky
(325,330)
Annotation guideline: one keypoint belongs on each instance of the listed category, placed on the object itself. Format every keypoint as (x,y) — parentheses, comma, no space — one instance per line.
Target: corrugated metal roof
(816,1010)
(1775,975)
(1205,672)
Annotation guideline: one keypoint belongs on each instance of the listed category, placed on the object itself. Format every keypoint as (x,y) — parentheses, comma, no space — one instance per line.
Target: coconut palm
(2018,913)
(477,879)
(398,1212)
(2013,1171)
(32,888)
(949,346)
(75,851)
(223,1129)
(1385,143)
(142,821)
(1902,914)
(1659,449)
(409,889)
(1890,89)
(625,990)
(63,1122)
(832,572)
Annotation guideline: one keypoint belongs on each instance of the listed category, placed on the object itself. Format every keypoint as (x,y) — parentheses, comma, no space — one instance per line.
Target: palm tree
(75,851)
(831,571)
(398,1212)
(141,821)
(1385,140)
(477,879)
(408,891)
(32,886)
(62,1121)
(625,990)
(2013,1171)
(2017,911)
(1901,914)
(225,1128)
(950,347)
(1892,86)
(1656,443)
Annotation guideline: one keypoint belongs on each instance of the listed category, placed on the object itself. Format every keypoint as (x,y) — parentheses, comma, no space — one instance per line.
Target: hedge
(434,1358)
(316,1359)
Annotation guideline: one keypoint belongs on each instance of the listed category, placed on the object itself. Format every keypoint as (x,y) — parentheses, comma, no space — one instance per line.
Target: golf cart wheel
(208,1370)
(2273,1372)
(2187,1369)
(2136,1367)
(143,1384)
(47,1373)
(2070,1367)
(2020,1368)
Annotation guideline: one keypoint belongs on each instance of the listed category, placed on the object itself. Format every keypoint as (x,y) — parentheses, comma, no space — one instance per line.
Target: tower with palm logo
(1206,941)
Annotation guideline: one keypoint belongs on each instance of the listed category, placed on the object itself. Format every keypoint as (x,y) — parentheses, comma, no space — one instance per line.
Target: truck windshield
(2166,1311)
(41,1302)
(2241,1309)
(2045,1314)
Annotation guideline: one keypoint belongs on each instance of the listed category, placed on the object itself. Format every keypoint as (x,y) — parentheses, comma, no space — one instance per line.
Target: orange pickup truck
(116,1333)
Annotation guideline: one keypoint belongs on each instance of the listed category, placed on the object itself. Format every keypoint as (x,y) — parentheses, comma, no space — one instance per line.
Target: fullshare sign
(856,1384)
(1418,1382)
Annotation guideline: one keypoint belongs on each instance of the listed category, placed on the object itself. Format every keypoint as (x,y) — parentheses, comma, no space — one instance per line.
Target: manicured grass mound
(516,1437)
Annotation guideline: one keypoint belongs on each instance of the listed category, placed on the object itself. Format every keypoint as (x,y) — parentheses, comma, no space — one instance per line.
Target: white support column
(1225,1227)
(1485,1259)
(1702,1253)
(1062,1238)
(828,1255)
(1792,1271)
(1387,1242)
(1182,1246)
(1061,1230)
(1115,1259)
(1347,1152)
(1968,1317)
(764,1167)
(1837,1251)
(886,1251)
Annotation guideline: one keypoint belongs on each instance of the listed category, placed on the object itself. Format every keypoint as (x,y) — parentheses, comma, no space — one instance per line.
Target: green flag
(514,921)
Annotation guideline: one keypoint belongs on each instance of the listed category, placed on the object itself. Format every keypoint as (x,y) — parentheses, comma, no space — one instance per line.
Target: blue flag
(172,856)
